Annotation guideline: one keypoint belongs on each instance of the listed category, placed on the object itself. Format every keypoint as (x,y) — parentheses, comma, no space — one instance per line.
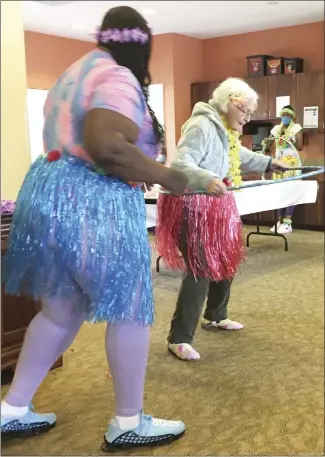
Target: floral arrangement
(7,207)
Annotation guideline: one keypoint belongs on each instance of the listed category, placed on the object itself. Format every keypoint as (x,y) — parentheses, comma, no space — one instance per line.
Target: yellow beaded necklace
(234,155)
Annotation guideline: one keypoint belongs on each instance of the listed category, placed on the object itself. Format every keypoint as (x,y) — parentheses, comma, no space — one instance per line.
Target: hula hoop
(318,170)
(266,145)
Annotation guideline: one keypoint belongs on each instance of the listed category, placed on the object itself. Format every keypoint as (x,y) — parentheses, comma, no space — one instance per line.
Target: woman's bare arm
(109,139)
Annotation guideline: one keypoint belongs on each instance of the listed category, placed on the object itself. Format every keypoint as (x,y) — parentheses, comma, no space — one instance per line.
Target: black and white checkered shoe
(150,432)
(30,424)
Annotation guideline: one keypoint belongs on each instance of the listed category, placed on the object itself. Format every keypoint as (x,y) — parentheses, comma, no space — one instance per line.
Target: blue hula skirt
(77,231)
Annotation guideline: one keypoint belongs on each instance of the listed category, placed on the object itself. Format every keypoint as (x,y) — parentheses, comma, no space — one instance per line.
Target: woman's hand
(277,166)
(217,187)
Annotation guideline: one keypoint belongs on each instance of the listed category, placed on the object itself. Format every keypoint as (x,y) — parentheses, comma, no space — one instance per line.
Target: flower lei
(234,155)
(134,35)
(287,134)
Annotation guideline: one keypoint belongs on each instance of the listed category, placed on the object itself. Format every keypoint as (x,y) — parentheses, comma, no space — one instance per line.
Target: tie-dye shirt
(94,81)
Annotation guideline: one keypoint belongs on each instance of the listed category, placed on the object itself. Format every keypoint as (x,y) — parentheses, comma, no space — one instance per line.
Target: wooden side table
(16,315)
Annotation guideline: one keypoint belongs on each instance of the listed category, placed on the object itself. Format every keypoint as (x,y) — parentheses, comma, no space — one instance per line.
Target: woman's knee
(64,312)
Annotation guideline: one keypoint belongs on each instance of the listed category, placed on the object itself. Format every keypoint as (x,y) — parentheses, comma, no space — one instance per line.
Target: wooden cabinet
(16,315)
(303,90)
(261,86)
(281,86)
(320,203)
(202,92)
(312,215)
(310,92)
(267,87)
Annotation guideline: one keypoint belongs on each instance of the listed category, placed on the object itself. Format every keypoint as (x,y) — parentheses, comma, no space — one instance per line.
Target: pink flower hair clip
(122,36)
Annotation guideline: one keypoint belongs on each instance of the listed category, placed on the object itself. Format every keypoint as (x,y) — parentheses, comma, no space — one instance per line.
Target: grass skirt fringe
(214,236)
(74,231)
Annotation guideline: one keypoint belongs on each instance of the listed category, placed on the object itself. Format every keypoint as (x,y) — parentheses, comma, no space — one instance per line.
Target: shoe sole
(111,448)
(29,432)
(219,329)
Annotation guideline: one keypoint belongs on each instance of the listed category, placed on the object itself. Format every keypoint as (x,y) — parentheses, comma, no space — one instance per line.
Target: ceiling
(201,19)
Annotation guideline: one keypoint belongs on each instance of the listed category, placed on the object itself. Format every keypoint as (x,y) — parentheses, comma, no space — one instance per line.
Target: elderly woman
(206,230)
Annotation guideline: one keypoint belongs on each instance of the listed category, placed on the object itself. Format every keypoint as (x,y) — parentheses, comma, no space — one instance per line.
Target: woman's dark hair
(134,56)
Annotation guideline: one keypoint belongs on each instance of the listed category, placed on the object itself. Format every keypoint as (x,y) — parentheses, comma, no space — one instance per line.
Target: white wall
(156,101)
(35,103)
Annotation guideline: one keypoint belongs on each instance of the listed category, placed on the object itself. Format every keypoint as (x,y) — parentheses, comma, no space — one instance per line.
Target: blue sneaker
(150,432)
(30,424)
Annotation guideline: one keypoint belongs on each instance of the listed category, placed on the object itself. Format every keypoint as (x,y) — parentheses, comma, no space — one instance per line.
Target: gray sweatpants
(190,301)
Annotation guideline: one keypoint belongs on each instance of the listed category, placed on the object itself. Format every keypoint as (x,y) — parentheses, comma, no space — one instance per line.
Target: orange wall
(226,56)
(177,61)
(48,56)
(162,72)
(188,68)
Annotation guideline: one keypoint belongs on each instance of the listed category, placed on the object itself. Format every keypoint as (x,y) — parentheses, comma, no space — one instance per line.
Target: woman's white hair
(233,87)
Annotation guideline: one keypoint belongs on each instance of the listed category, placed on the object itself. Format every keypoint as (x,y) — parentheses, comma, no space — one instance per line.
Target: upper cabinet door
(310,93)
(261,86)
(281,86)
(202,92)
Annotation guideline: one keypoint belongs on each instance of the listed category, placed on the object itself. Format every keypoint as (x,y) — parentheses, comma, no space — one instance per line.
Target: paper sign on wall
(310,117)
(280,102)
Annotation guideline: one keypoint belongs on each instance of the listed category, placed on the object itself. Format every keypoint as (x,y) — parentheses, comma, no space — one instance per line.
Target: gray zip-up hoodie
(202,151)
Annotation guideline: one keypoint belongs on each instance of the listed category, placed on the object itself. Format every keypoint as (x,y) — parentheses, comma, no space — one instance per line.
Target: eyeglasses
(247,114)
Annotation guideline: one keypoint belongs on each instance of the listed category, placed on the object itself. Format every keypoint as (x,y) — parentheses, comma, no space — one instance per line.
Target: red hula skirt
(213,230)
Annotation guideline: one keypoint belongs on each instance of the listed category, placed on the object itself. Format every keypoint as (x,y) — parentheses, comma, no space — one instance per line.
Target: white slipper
(183,351)
(225,324)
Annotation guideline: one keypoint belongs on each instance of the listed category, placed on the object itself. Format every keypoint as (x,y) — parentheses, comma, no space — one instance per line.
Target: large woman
(79,241)
(207,230)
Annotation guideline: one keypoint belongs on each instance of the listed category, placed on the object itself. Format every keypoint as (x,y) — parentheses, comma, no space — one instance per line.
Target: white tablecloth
(257,199)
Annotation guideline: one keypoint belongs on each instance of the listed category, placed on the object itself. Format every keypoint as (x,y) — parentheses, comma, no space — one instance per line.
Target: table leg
(157,264)
(258,232)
